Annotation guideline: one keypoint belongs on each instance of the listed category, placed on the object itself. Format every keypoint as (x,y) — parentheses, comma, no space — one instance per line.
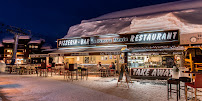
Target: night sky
(51,19)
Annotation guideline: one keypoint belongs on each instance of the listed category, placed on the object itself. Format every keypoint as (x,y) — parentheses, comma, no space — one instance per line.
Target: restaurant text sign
(73,42)
(137,38)
(154,37)
(152,72)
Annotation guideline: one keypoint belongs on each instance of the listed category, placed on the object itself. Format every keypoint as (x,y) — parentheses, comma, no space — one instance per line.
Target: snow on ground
(33,88)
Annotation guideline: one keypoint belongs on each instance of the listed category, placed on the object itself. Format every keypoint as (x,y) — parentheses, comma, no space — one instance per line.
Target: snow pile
(159,8)
(183,15)
(165,22)
(94,89)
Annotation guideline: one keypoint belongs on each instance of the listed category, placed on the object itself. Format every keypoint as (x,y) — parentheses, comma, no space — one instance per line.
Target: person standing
(43,67)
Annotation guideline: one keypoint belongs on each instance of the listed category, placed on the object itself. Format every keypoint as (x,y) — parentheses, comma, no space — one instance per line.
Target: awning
(115,48)
(181,48)
(38,55)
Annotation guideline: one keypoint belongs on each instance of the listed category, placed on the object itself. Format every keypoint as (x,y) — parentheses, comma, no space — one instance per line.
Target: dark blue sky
(51,19)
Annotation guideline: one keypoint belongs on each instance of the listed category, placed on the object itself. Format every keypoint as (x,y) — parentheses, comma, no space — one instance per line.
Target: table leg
(168,91)
(81,74)
(87,74)
(186,92)
(51,72)
(177,91)
(76,74)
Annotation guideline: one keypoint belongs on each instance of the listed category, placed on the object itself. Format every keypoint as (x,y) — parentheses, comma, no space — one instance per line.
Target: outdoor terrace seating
(197,84)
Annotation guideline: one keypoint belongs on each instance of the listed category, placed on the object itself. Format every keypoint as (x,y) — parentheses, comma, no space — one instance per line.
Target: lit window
(9,56)
(30,46)
(9,50)
(36,46)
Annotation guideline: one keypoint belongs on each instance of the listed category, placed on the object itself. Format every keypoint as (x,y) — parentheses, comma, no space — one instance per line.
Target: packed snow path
(33,88)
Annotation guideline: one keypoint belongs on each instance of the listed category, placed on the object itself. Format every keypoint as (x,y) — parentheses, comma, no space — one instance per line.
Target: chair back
(198,81)
(71,67)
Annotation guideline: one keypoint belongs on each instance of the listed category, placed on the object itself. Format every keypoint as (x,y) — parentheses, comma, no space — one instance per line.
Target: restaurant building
(155,38)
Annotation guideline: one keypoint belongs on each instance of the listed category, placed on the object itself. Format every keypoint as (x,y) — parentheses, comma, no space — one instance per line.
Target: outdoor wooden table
(86,72)
(71,71)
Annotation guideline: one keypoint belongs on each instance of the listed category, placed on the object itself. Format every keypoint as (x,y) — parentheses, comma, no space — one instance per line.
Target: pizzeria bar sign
(136,38)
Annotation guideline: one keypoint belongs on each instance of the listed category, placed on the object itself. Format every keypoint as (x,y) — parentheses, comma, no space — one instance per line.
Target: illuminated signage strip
(165,72)
(137,38)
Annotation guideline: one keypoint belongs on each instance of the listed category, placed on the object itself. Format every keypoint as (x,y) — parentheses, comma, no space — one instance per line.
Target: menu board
(169,62)
(135,38)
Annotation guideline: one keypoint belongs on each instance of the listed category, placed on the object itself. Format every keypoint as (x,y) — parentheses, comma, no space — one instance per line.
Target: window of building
(9,50)
(8,61)
(8,55)
(154,60)
(36,46)
(30,46)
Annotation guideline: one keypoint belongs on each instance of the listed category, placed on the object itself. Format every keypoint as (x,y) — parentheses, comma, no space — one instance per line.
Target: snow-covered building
(26,46)
(155,35)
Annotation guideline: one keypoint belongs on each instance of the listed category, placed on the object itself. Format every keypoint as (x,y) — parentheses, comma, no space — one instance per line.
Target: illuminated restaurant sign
(73,42)
(137,38)
(154,37)
(152,72)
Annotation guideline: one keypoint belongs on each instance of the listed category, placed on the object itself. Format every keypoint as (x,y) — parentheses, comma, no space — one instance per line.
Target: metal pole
(15,49)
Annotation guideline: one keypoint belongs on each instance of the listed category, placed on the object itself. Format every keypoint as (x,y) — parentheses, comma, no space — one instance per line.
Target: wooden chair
(198,66)
(112,71)
(195,85)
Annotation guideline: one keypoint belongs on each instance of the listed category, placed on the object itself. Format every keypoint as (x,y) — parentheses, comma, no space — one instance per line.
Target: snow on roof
(37,41)
(182,15)
(187,21)
(46,47)
(8,40)
(166,7)
(24,37)
(49,50)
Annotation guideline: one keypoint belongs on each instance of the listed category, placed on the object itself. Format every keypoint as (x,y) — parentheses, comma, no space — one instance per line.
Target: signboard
(192,38)
(151,72)
(109,40)
(137,38)
(73,42)
(38,55)
(154,37)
